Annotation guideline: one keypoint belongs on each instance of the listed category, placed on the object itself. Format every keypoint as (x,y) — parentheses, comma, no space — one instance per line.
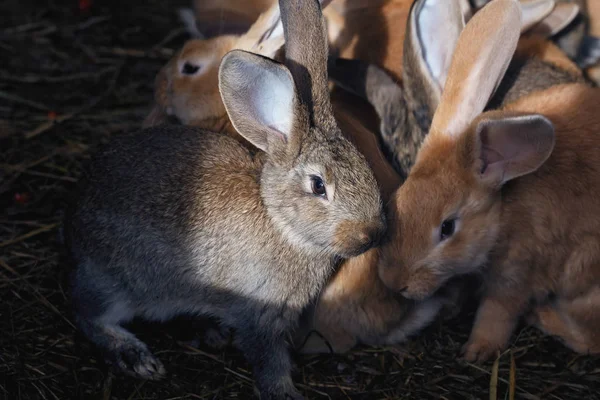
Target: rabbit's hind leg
(99,315)
(576,322)
(120,347)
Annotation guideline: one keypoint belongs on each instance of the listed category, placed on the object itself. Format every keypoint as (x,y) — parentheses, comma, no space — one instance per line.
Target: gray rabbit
(176,220)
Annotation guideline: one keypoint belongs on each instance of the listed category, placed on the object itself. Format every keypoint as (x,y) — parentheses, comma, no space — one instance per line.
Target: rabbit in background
(178,220)
(405,109)
(578,35)
(187,89)
(510,194)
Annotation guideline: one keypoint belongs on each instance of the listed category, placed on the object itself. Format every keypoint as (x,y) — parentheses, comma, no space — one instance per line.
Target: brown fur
(543,245)
(372,31)
(593,11)
(217,17)
(535,239)
(356,307)
(193,99)
(540,47)
(573,321)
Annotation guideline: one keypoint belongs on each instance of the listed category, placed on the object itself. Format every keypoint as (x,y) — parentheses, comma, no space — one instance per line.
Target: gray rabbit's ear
(260,98)
(432,32)
(374,85)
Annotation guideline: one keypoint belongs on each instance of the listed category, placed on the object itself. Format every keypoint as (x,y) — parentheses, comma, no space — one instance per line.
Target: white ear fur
(259,96)
(265,36)
(480,60)
(510,147)
(437,24)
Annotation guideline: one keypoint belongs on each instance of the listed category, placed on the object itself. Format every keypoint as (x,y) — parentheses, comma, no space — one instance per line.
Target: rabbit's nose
(371,237)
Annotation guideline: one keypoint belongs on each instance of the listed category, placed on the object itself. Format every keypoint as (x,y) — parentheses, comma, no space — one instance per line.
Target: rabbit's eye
(189,69)
(447,229)
(318,186)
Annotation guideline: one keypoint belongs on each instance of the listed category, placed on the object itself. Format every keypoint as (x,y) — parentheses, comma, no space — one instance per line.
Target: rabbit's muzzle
(355,238)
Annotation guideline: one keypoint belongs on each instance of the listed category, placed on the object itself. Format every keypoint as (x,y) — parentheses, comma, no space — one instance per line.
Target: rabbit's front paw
(284,391)
(135,359)
(295,395)
(290,394)
(479,350)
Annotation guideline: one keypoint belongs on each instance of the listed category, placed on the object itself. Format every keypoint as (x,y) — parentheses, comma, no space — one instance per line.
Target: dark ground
(71,77)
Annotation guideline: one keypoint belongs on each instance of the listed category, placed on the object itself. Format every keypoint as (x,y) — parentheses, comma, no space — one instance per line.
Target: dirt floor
(73,74)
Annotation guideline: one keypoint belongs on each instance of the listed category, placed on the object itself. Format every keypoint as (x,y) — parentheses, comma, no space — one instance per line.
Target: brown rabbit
(405,110)
(511,194)
(187,86)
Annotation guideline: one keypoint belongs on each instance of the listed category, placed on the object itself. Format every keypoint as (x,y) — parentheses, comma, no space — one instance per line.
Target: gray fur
(176,220)
(589,52)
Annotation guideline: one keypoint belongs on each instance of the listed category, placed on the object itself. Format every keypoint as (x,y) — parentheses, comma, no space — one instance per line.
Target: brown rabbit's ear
(266,36)
(480,60)
(560,17)
(432,32)
(509,147)
(534,11)
(260,99)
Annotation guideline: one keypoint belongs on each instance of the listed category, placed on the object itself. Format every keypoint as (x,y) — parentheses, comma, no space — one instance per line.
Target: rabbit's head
(317,187)
(446,217)
(187,87)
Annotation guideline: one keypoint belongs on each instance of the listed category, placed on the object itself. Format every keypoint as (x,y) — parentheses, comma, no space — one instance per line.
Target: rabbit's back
(552,213)
(166,212)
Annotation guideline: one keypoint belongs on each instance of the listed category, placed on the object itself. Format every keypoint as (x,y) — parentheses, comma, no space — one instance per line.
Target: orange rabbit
(511,194)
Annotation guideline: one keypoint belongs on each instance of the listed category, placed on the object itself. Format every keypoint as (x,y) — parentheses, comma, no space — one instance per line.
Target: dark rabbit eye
(447,229)
(189,69)
(317,186)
